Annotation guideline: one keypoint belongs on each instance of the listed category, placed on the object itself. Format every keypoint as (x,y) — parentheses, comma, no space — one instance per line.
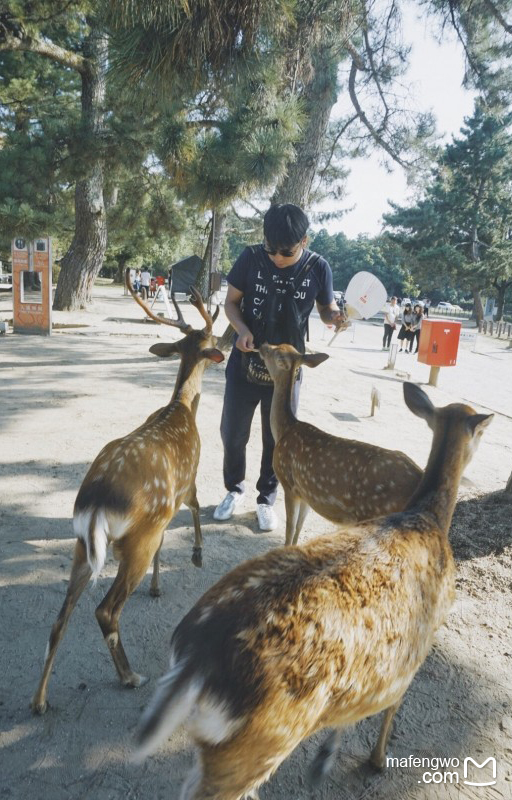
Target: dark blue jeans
(240,401)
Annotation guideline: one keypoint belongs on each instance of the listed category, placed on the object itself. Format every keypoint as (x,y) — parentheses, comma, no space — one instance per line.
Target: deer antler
(197,301)
(179,323)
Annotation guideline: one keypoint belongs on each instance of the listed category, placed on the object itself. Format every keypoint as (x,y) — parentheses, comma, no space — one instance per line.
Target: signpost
(32,285)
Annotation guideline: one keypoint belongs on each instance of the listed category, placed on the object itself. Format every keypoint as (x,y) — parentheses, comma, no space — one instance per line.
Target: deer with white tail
(341,479)
(315,636)
(131,492)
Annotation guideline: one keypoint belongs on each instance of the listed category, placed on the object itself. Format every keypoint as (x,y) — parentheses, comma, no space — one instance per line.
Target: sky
(434,80)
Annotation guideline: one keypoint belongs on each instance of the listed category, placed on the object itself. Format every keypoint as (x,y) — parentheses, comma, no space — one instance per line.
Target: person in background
(416,327)
(405,334)
(136,281)
(169,281)
(145,282)
(272,289)
(391,315)
(426,306)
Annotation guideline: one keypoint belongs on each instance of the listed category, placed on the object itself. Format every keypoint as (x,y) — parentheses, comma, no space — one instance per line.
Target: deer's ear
(314,359)
(479,422)
(418,402)
(213,354)
(164,349)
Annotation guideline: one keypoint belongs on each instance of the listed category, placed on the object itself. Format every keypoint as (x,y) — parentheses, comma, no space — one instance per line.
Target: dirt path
(62,399)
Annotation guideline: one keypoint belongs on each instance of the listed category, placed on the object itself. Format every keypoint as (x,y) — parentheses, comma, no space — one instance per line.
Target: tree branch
(451,4)
(366,122)
(14,38)
(335,142)
(498,16)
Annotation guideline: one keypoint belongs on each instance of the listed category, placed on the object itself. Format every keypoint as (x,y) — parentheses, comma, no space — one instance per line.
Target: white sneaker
(267,519)
(225,509)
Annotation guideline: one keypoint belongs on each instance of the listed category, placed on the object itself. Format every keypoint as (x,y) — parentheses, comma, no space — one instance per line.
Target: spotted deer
(315,636)
(341,479)
(131,492)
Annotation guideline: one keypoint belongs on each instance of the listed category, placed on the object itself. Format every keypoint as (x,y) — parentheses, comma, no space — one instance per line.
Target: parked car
(406,301)
(5,283)
(447,306)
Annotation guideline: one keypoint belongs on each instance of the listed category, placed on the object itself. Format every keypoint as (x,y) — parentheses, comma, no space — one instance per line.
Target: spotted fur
(132,490)
(341,479)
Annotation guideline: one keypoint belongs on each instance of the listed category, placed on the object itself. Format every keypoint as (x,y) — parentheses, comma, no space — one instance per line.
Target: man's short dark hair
(284,225)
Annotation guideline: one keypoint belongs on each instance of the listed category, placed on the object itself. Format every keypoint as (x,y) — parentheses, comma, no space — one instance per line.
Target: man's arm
(331,315)
(245,341)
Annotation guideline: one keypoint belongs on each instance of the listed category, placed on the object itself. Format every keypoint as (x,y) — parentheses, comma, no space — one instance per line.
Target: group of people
(410,328)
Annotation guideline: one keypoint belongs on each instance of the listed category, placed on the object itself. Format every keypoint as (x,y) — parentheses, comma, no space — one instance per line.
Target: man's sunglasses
(284,253)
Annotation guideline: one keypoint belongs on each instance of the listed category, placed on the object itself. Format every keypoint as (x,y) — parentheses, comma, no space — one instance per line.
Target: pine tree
(460,232)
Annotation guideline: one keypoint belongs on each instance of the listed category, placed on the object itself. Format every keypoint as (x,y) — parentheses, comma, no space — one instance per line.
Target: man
(272,289)
(391,315)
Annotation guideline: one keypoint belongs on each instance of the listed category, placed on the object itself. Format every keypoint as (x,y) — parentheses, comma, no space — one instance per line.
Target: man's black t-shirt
(251,274)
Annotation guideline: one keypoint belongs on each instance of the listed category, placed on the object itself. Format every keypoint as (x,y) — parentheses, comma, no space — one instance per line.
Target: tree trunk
(84,259)
(501,289)
(122,260)
(319,96)
(215,240)
(508,487)
(478,307)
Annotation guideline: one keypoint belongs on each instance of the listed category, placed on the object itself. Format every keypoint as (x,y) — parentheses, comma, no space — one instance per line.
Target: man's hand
(331,315)
(245,340)
(335,317)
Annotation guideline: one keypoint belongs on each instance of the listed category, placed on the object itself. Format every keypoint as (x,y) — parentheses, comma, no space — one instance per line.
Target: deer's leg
(193,505)
(303,512)
(135,558)
(378,755)
(154,588)
(80,574)
(324,759)
(292,505)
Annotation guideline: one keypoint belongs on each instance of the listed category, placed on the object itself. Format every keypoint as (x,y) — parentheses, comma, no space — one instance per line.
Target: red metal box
(439,342)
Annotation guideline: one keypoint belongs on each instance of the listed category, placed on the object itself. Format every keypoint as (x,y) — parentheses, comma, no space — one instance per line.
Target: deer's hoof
(197,557)
(39,707)
(377,761)
(135,681)
(155,591)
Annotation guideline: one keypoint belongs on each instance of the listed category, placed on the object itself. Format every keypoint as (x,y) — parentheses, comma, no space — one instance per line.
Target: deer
(131,492)
(315,636)
(343,480)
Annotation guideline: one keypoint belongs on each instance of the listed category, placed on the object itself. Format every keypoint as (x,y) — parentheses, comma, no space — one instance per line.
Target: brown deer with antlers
(132,490)
(341,479)
(315,636)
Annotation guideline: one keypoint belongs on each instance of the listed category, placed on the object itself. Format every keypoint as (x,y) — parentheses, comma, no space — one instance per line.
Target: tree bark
(319,96)
(84,259)
(508,487)
(501,288)
(479,309)
(215,240)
